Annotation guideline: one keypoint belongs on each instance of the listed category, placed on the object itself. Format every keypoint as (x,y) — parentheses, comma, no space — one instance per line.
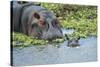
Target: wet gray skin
(72,42)
(50,29)
(53,30)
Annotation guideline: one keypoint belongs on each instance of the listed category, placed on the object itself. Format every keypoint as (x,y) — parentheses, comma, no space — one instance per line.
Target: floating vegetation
(82,18)
(22,40)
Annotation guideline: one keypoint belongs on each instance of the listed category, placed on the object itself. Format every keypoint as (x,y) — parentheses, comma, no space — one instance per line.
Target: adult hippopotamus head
(36,21)
(45,25)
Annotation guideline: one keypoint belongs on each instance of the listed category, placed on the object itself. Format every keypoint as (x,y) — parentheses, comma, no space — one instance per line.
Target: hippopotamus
(35,21)
(72,42)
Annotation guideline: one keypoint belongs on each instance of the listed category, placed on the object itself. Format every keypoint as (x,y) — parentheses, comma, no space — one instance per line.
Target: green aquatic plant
(83,28)
(79,17)
(22,40)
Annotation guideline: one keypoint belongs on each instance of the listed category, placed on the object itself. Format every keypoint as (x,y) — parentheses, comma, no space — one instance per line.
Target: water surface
(56,53)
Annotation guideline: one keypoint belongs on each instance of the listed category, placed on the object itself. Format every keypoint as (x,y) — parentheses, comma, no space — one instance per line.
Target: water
(67,31)
(56,53)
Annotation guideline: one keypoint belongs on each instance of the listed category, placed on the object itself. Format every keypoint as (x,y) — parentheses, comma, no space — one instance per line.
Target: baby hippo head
(73,42)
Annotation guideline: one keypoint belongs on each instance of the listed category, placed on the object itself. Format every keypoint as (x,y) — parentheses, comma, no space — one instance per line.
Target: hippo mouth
(49,33)
(52,34)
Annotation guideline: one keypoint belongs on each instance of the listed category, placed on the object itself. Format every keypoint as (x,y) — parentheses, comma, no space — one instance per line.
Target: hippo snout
(52,34)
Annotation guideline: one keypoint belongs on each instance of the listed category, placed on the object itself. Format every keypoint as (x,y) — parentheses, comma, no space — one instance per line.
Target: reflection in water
(56,53)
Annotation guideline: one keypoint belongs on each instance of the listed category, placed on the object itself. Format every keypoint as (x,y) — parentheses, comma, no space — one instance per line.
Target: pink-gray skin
(35,21)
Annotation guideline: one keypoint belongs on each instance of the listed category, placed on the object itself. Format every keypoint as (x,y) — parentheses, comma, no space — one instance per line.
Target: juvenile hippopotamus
(34,21)
(72,42)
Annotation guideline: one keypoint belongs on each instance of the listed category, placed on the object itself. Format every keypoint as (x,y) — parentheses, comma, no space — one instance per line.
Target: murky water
(56,53)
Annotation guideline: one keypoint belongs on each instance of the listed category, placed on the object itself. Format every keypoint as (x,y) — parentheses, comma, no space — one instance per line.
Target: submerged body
(35,21)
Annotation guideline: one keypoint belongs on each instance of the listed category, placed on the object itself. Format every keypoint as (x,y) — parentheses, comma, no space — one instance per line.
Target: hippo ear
(36,15)
(66,36)
(78,38)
